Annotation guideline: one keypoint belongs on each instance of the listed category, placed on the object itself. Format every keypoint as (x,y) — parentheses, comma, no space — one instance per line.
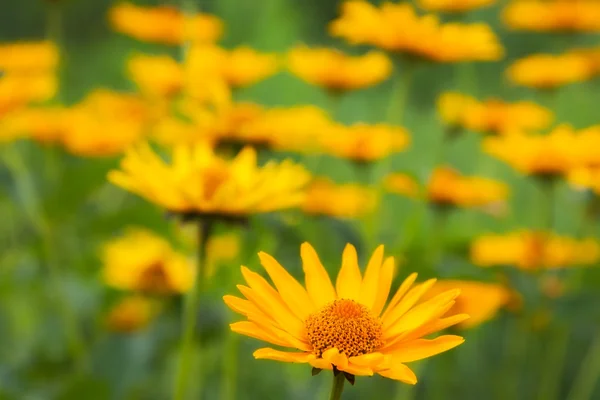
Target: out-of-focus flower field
(410,188)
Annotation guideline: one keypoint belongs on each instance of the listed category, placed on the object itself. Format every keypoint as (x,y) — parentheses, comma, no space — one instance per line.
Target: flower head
(196,180)
(42,124)
(131,314)
(344,326)
(454,6)
(402,184)
(553,16)
(142,261)
(336,71)
(28,57)
(547,71)
(324,197)
(156,76)
(18,90)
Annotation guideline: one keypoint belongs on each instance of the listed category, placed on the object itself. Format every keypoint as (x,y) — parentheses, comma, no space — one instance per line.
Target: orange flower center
(154,279)
(346,325)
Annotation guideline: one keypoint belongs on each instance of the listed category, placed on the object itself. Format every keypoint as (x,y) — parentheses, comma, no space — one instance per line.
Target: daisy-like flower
(402,184)
(28,57)
(547,71)
(324,197)
(42,124)
(18,90)
(553,15)
(548,155)
(131,314)
(530,250)
(454,6)
(492,115)
(144,262)
(164,24)
(336,71)
(156,76)
(344,327)
(198,181)
(364,143)
(397,28)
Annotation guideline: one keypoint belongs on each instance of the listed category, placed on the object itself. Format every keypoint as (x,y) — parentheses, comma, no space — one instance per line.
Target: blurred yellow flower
(542,155)
(157,76)
(492,115)
(28,57)
(363,143)
(480,300)
(43,124)
(199,181)
(18,90)
(547,71)
(397,28)
(592,55)
(454,6)
(447,187)
(164,24)
(553,15)
(131,314)
(532,250)
(142,261)
(324,197)
(336,71)
(402,184)
(344,326)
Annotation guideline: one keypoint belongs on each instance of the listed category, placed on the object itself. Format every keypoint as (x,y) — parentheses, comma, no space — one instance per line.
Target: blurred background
(60,335)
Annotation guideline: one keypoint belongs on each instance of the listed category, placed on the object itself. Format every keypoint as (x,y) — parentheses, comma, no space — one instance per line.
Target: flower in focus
(480,300)
(142,261)
(454,6)
(131,314)
(532,250)
(164,24)
(397,28)
(492,115)
(402,184)
(448,188)
(324,197)
(336,71)
(28,57)
(196,180)
(540,155)
(344,326)
(156,76)
(547,71)
(363,143)
(553,15)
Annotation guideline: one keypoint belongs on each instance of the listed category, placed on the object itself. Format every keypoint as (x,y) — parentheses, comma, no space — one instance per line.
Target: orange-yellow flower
(17,90)
(131,314)
(547,71)
(454,6)
(142,261)
(554,15)
(492,115)
(42,124)
(402,184)
(196,180)
(532,250)
(397,28)
(164,24)
(28,57)
(324,197)
(364,143)
(157,76)
(592,55)
(344,326)
(336,71)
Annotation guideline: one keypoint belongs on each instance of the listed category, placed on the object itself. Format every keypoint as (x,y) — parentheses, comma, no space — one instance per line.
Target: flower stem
(190,312)
(552,367)
(589,373)
(399,96)
(229,374)
(338,385)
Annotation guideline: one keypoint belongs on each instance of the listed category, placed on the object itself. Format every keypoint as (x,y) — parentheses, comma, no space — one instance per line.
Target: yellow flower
(28,57)
(480,300)
(397,28)
(364,143)
(158,76)
(402,184)
(552,16)
(547,71)
(454,6)
(239,67)
(336,71)
(164,24)
(492,115)
(324,197)
(221,249)
(199,181)
(532,250)
(44,125)
(592,55)
(18,90)
(131,314)
(585,178)
(542,155)
(142,261)
(344,326)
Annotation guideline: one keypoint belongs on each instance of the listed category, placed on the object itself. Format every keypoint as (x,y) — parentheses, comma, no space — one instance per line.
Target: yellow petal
(243,307)
(423,348)
(406,303)
(318,283)
(252,330)
(272,354)
(321,364)
(334,357)
(280,334)
(386,276)
(292,293)
(349,279)
(357,370)
(400,372)
(404,287)
(368,289)
(370,360)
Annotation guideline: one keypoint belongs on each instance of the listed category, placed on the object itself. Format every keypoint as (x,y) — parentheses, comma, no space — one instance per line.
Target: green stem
(191,311)
(589,373)
(552,366)
(400,91)
(338,386)
(230,367)
(516,346)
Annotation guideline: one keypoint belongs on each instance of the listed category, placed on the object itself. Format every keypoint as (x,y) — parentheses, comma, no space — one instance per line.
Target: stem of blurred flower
(230,367)
(399,94)
(338,385)
(553,365)
(589,373)
(191,310)
(516,345)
